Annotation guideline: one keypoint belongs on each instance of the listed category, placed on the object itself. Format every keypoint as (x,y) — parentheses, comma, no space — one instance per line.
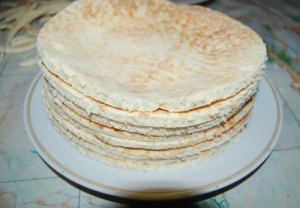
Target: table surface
(26,181)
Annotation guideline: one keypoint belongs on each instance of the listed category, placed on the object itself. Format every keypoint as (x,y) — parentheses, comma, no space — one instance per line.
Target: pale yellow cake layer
(147,55)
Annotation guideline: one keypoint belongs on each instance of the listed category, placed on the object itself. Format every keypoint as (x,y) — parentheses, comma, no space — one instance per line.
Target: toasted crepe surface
(147,55)
(218,110)
(133,140)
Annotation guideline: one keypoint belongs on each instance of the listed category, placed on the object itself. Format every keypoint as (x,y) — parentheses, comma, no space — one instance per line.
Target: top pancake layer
(148,55)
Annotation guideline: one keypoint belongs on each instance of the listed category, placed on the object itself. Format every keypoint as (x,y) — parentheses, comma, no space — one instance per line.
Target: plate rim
(153,195)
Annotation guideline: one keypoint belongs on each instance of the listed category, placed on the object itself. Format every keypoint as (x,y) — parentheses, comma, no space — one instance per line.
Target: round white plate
(238,160)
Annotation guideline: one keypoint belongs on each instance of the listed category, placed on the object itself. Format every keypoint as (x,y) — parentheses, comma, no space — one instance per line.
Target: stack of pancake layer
(148,85)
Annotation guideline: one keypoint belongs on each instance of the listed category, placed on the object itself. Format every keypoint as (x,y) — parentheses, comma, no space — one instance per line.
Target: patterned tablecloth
(26,181)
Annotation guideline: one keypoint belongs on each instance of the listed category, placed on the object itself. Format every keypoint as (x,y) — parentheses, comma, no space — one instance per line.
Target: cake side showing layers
(121,138)
(143,159)
(162,119)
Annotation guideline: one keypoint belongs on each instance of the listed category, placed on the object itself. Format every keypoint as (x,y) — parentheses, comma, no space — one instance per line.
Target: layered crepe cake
(148,85)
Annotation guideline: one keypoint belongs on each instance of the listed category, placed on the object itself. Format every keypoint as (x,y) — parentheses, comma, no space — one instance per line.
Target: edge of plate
(148,195)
